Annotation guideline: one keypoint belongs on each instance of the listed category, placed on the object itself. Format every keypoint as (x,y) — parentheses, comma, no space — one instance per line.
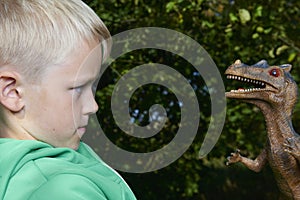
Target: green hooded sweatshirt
(32,170)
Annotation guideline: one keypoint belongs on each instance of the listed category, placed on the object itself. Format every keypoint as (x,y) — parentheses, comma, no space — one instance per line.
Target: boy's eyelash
(78,89)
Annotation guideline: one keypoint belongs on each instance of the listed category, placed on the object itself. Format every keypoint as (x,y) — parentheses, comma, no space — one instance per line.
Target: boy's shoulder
(41,168)
(34,181)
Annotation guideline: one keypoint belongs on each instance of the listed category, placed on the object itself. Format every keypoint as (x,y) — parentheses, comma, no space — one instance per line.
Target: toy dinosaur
(275,94)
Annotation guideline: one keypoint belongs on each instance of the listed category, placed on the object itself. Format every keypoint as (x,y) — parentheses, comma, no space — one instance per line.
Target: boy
(50,56)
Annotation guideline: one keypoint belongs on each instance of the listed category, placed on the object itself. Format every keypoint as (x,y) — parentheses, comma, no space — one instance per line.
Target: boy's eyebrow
(85,80)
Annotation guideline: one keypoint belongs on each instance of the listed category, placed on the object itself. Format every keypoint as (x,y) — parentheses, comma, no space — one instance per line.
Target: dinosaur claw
(234,157)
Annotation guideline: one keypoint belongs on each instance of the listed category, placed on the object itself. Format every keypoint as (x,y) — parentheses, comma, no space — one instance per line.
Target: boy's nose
(94,107)
(90,106)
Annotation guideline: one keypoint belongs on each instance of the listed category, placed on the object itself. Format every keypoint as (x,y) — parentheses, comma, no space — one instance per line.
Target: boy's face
(57,110)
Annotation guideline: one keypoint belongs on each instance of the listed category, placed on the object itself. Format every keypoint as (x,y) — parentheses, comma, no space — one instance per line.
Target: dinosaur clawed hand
(292,146)
(234,157)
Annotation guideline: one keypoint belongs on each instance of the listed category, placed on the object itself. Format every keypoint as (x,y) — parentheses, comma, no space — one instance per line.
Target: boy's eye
(78,89)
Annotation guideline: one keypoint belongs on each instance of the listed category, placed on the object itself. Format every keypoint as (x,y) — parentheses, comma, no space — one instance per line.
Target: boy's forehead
(83,65)
(94,58)
(90,67)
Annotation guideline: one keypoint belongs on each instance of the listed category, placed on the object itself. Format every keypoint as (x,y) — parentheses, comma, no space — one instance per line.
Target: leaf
(170,6)
(244,16)
(281,49)
(255,36)
(292,56)
(258,11)
(267,31)
(233,17)
(260,29)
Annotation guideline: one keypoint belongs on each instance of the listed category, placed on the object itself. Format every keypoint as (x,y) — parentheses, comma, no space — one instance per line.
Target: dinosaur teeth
(245,90)
(239,78)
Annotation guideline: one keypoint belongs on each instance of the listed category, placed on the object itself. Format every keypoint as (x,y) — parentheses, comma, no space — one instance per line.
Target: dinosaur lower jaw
(257,99)
(234,94)
(251,94)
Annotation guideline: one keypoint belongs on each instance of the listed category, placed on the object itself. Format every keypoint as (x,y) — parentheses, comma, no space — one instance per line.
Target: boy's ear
(10,92)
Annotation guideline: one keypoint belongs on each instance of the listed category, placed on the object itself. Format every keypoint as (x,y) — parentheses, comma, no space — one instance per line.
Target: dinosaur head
(263,85)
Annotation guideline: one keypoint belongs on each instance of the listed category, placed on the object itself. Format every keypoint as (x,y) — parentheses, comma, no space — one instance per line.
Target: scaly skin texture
(275,94)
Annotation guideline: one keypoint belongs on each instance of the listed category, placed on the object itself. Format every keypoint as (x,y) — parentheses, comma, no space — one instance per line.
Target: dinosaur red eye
(274,72)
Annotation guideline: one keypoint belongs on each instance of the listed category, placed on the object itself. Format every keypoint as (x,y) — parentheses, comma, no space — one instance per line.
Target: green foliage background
(228,30)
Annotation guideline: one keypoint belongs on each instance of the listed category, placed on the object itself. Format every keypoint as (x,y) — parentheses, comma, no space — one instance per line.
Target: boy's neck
(11,128)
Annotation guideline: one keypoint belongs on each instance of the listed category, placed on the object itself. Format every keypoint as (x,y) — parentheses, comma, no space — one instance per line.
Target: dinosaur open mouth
(249,85)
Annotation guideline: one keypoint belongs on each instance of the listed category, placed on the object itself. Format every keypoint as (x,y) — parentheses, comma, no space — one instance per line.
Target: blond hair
(35,34)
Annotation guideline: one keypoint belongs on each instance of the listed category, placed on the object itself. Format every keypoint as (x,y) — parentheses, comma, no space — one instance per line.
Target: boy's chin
(75,145)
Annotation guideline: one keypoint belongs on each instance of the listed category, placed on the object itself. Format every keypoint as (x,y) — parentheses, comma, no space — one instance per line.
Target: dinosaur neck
(279,124)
